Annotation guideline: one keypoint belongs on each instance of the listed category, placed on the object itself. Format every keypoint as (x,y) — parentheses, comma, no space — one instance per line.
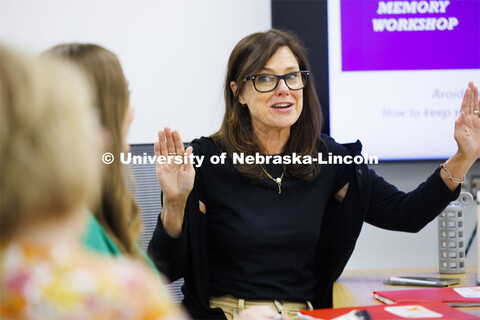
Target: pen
(406,281)
(409,283)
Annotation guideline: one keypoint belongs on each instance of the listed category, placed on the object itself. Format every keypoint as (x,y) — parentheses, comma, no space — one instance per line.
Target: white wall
(174,53)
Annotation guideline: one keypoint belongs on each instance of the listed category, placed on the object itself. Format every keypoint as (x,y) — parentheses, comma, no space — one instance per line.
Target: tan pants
(232,306)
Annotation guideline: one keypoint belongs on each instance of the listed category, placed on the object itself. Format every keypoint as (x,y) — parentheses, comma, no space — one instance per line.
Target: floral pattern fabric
(67,283)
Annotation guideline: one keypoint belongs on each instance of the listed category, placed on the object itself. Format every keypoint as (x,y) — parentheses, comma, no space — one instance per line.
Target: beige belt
(233,306)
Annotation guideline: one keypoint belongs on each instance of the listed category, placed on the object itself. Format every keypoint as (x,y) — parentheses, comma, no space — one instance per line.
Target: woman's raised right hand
(175,179)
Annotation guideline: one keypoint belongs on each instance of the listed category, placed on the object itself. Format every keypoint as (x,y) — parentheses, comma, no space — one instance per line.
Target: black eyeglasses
(268,82)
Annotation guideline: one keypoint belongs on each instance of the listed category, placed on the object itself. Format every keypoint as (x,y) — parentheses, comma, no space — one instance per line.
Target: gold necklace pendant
(277,180)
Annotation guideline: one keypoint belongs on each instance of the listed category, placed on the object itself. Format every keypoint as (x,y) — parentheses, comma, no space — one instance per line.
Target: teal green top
(98,240)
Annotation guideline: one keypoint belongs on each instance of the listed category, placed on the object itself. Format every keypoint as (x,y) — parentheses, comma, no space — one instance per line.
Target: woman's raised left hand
(467,126)
(467,136)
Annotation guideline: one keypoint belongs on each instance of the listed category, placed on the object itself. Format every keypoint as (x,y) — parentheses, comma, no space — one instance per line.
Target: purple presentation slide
(410,35)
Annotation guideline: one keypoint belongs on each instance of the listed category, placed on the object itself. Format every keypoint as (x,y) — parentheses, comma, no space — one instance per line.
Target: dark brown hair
(236,135)
(118,213)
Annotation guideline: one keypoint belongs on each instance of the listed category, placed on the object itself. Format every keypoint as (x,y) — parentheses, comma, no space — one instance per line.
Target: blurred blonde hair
(49,157)
(118,212)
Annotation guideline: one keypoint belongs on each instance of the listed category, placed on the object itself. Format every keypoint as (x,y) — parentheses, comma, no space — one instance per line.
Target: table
(354,287)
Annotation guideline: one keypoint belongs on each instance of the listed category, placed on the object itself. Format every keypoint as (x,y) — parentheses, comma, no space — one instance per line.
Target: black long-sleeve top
(237,247)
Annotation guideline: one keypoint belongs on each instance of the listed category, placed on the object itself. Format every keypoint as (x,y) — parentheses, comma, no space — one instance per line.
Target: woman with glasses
(279,231)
